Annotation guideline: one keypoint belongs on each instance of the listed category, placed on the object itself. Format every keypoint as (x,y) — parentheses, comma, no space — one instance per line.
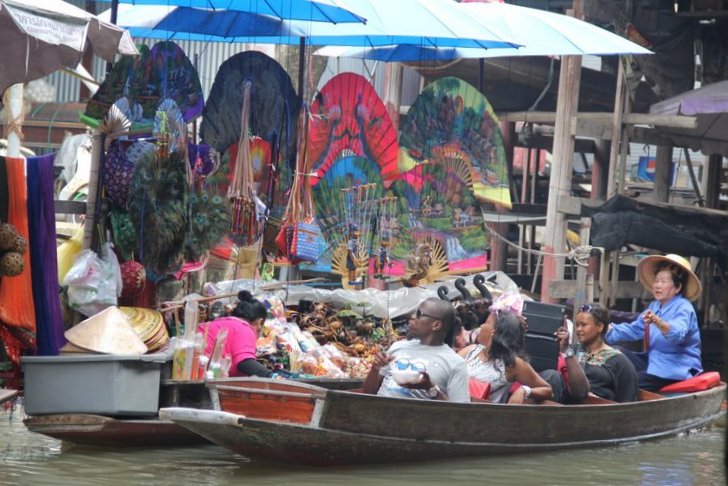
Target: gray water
(27,458)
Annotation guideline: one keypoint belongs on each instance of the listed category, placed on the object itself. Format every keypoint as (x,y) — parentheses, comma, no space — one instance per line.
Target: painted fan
(159,73)
(274,104)
(349,118)
(174,77)
(451,122)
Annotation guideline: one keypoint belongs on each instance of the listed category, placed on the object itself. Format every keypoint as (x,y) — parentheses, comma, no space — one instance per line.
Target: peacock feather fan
(158,208)
(209,217)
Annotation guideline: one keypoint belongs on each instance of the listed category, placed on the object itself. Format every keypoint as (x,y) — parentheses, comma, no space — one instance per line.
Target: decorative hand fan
(349,118)
(173,76)
(158,208)
(127,78)
(177,136)
(451,121)
(274,104)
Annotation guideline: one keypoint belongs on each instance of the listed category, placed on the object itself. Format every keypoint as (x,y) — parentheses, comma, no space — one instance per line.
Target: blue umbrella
(310,10)
(418,22)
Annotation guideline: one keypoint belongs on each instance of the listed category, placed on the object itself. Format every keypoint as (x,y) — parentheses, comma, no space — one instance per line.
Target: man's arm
(374,380)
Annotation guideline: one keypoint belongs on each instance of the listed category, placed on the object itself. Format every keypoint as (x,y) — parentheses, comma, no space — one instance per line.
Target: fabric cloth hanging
(17,312)
(16,293)
(43,256)
(3,191)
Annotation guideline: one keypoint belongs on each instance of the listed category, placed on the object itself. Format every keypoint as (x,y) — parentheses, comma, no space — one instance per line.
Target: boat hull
(350,428)
(97,430)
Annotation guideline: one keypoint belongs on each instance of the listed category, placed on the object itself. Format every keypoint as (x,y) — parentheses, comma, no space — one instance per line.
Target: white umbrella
(42,37)
(540,32)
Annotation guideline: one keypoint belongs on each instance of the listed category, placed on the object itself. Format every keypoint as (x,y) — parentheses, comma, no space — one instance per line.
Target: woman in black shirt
(592,366)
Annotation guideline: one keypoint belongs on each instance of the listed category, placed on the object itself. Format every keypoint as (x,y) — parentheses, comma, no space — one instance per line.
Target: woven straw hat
(149,326)
(108,332)
(647,269)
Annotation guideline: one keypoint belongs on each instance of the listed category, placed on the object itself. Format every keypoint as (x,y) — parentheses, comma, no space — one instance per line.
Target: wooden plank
(69,207)
(6,394)
(572,205)
(567,289)
(549,117)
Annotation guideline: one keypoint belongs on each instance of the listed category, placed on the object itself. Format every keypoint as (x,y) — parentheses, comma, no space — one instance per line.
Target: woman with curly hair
(495,359)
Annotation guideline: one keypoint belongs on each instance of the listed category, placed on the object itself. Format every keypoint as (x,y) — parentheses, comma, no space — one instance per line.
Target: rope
(580,254)
(15,124)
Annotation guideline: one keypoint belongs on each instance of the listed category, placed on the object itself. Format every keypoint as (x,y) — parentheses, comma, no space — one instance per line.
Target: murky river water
(32,459)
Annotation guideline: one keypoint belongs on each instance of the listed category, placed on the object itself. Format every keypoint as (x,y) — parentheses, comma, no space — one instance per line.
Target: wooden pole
(561,170)
(663,173)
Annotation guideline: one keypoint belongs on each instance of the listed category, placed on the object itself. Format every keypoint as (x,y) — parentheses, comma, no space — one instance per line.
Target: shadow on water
(32,459)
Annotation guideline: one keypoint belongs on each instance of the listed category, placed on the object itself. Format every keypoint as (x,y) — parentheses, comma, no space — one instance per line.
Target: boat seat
(644,395)
(592,399)
(701,382)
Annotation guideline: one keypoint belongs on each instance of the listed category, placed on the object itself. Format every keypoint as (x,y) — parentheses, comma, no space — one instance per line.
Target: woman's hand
(562,337)
(651,318)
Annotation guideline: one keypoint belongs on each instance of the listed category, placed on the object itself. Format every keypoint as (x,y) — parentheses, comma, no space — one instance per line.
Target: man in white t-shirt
(444,373)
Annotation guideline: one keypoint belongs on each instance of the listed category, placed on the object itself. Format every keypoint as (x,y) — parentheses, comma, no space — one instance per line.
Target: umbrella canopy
(419,22)
(540,32)
(332,11)
(42,37)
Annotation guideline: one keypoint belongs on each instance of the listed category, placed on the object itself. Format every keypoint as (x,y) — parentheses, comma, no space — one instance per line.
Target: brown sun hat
(109,332)
(647,268)
(149,326)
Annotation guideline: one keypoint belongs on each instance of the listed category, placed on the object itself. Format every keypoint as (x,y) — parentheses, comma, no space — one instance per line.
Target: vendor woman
(242,327)
(669,326)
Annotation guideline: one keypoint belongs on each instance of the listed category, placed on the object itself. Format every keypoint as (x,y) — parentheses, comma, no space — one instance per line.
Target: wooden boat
(290,422)
(7,395)
(101,430)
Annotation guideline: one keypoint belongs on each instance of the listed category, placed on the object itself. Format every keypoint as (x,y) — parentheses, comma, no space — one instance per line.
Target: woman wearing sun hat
(669,325)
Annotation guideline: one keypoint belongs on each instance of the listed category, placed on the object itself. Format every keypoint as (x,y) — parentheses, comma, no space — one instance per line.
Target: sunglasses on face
(406,364)
(419,314)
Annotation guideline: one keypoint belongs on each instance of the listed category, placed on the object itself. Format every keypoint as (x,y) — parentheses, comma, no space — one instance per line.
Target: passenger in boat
(495,359)
(433,370)
(242,328)
(669,326)
(591,365)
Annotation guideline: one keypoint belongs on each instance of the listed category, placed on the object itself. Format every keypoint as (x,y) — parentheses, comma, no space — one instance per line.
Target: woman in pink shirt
(242,327)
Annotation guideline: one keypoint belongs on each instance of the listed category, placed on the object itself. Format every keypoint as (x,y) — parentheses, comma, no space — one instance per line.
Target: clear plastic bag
(93,283)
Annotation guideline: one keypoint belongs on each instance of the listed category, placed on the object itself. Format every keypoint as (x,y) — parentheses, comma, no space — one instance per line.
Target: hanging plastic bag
(93,283)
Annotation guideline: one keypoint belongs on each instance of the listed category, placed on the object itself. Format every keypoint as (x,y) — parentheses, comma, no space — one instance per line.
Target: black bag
(540,342)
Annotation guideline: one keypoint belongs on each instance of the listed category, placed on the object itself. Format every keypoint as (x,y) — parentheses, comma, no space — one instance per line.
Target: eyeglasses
(419,314)
(586,308)
(404,364)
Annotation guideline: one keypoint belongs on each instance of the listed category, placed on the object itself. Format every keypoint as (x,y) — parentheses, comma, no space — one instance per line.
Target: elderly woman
(669,326)
(591,366)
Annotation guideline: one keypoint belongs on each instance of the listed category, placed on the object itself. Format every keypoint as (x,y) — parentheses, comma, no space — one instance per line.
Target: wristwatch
(569,352)
(526,391)
(433,392)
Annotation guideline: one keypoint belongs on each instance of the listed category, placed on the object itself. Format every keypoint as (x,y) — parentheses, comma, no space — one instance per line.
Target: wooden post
(616,129)
(94,185)
(663,173)
(498,248)
(584,290)
(561,170)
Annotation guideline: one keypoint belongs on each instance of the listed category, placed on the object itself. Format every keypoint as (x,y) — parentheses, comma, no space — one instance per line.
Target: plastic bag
(93,283)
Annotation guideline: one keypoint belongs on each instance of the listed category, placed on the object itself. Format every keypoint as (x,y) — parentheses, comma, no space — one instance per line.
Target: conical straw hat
(647,268)
(109,332)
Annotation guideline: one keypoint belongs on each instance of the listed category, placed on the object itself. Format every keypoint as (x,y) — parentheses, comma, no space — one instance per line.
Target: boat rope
(579,254)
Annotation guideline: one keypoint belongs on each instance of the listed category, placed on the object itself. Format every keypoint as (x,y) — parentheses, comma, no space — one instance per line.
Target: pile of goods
(318,340)
(12,247)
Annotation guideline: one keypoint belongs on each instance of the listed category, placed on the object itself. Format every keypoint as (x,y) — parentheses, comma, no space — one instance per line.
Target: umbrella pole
(14,119)
(301,61)
(481,75)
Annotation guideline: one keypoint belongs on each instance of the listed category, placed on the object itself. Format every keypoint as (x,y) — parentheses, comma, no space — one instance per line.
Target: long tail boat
(112,431)
(293,422)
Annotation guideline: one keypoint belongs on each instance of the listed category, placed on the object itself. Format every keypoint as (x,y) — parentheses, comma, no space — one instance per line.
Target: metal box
(93,383)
